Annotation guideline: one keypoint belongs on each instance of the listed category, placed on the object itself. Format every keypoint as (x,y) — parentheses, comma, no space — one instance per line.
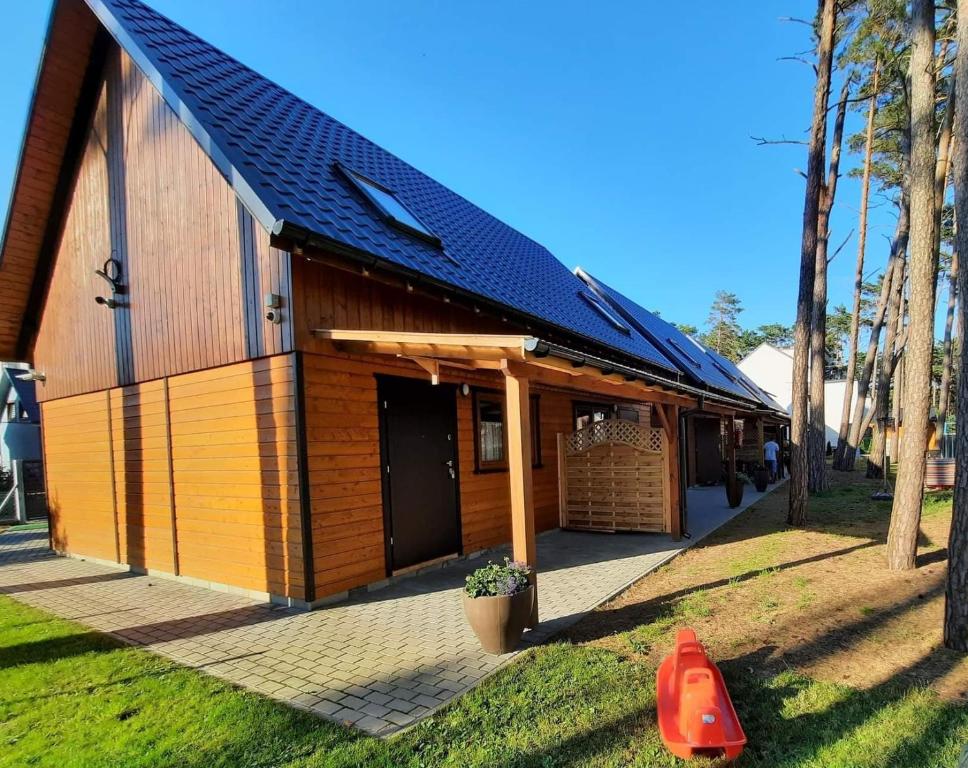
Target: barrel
(939,473)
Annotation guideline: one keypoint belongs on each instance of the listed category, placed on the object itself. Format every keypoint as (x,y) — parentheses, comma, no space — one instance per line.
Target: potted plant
(497,602)
(734,489)
(761,478)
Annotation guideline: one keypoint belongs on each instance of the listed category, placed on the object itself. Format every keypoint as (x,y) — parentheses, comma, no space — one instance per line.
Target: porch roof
(544,361)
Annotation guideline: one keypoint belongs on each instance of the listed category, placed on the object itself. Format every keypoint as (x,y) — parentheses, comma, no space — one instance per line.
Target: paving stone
(378,698)
(399,718)
(372,724)
(375,709)
(376,659)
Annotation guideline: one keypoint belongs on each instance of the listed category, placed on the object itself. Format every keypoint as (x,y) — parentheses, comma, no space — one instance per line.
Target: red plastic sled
(696,716)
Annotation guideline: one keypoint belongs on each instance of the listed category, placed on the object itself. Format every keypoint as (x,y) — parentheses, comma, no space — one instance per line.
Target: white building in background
(772,368)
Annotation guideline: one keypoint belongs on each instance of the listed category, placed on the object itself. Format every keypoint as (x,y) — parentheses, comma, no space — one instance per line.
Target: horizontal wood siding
(343,442)
(77,456)
(141,480)
(343,451)
(236,483)
(233,454)
(149,196)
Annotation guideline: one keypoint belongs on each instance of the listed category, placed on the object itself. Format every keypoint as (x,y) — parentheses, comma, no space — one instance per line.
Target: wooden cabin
(272,357)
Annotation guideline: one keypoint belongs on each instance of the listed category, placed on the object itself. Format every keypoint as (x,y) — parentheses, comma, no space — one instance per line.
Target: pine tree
(956,588)
(902,536)
(724,331)
(827,17)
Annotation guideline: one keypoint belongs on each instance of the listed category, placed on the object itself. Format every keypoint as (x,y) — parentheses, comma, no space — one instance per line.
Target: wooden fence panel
(615,477)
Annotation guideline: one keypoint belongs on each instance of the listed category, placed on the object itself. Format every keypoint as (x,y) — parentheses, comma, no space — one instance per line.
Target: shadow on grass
(54,649)
(778,739)
(609,621)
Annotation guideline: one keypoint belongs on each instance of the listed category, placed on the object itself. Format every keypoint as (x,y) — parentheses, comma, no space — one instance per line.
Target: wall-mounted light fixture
(32,375)
(109,303)
(110,272)
(273,304)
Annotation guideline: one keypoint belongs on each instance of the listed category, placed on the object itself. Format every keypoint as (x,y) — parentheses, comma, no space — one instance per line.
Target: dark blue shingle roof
(286,151)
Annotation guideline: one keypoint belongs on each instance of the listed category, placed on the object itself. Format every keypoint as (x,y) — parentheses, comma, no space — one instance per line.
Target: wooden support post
(562,480)
(675,485)
(523,541)
(731,449)
(760,441)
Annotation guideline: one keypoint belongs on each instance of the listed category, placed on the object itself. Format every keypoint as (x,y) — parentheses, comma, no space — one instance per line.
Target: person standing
(770,452)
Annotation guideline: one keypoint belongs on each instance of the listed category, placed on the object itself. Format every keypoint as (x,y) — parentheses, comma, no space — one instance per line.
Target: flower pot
(734,493)
(499,621)
(761,479)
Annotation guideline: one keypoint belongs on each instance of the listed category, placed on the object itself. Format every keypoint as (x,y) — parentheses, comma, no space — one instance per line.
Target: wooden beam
(588,379)
(524,545)
(663,419)
(444,345)
(430,366)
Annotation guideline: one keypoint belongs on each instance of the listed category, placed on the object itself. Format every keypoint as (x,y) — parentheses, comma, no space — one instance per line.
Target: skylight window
(613,319)
(389,205)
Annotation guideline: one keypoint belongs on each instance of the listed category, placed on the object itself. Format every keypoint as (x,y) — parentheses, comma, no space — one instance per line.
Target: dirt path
(819,601)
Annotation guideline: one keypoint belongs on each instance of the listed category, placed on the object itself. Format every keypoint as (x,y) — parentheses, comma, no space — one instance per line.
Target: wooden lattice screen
(613,475)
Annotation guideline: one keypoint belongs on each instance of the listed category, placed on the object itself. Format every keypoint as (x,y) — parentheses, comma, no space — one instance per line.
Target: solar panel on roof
(605,312)
(683,352)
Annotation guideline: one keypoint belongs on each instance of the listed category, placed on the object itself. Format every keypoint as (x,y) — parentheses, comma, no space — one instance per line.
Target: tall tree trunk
(902,537)
(942,167)
(885,372)
(861,419)
(865,187)
(941,174)
(944,397)
(817,428)
(956,590)
(808,253)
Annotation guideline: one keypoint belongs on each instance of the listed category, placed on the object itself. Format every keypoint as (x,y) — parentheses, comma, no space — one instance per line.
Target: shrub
(493,580)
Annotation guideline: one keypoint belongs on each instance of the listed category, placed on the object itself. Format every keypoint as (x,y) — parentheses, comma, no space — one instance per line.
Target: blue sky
(620,140)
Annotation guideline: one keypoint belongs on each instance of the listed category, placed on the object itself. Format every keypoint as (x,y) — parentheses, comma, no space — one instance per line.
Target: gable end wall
(195,265)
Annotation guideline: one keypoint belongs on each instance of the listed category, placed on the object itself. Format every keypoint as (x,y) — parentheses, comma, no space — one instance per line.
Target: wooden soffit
(43,182)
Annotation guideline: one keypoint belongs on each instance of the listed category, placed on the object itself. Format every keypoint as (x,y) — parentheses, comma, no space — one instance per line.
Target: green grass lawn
(70,697)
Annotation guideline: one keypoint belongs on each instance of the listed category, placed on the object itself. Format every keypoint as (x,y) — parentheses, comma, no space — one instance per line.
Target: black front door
(418,428)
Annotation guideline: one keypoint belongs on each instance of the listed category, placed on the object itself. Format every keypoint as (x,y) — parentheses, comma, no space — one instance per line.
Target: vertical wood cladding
(232,450)
(328,297)
(195,277)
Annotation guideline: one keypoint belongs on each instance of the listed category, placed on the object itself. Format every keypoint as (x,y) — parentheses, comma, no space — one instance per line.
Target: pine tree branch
(762,142)
(841,246)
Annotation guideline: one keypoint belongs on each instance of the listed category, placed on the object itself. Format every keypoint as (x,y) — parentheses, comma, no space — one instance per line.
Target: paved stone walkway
(380,662)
